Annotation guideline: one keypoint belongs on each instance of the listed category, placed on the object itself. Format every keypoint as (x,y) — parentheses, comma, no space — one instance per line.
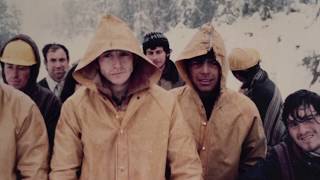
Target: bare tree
(9,22)
(312,63)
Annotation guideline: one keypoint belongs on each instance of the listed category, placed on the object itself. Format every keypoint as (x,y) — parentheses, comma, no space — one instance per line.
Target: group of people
(126,112)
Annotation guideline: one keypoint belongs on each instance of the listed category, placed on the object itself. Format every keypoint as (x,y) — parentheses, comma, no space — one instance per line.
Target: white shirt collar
(52,84)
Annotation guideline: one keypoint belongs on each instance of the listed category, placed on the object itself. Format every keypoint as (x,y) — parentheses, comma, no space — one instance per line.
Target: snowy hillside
(283,42)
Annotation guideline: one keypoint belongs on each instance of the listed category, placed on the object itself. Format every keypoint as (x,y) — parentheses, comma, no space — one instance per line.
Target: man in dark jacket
(245,66)
(20,62)
(156,47)
(56,60)
(299,156)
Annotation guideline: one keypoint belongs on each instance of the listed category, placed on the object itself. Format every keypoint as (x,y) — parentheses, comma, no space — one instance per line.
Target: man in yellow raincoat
(120,124)
(23,136)
(226,125)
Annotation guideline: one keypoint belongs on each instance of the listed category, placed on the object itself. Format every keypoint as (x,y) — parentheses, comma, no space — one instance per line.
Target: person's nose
(59,64)
(116,62)
(302,128)
(205,68)
(152,57)
(15,72)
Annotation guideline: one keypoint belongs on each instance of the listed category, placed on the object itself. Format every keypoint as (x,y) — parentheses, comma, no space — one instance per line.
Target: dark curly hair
(155,39)
(301,97)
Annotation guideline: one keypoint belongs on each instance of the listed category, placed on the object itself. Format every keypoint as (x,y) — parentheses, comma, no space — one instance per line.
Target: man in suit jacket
(56,60)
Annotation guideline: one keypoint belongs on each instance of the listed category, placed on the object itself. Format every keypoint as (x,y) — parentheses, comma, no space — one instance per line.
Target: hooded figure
(23,137)
(20,62)
(245,66)
(119,124)
(226,125)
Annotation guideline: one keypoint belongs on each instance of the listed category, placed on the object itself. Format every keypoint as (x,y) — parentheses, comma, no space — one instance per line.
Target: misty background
(286,32)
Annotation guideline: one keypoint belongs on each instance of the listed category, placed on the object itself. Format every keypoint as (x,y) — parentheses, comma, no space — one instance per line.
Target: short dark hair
(209,55)
(53,47)
(301,97)
(155,39)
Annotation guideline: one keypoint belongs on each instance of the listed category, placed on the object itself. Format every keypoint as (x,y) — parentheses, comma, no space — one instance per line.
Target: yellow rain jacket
(233,137)
(106,142)
(23,136)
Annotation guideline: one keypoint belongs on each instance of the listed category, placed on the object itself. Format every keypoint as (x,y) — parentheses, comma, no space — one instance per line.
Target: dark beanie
(155,39)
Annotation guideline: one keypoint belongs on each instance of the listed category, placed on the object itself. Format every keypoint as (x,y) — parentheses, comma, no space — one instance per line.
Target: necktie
(56,90)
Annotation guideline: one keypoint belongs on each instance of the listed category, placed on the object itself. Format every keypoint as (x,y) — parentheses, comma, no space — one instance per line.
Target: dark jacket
(46,101)
(301,165)
(67,90)
(266,95)
(49,106)
(170,77)
(43,82)
(70,85)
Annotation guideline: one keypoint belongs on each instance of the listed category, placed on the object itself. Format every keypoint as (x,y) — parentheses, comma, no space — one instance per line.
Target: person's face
(116,66)
(306,131)
(17,75)
(204,74)
(157,56)
(57,64)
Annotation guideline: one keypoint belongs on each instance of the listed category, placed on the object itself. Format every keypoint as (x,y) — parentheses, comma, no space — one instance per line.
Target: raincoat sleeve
(254,147)
(67,152)
(32,147)
(184,160)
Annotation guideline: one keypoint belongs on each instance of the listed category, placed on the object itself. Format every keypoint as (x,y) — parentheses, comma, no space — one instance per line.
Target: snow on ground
(282,41)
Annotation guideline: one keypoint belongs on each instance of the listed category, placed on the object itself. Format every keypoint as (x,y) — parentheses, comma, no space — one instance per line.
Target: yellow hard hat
(243,58)
(18,52)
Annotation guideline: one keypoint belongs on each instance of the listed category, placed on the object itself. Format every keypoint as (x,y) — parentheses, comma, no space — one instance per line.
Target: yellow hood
(204,40)
(114,34)
(243,58)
